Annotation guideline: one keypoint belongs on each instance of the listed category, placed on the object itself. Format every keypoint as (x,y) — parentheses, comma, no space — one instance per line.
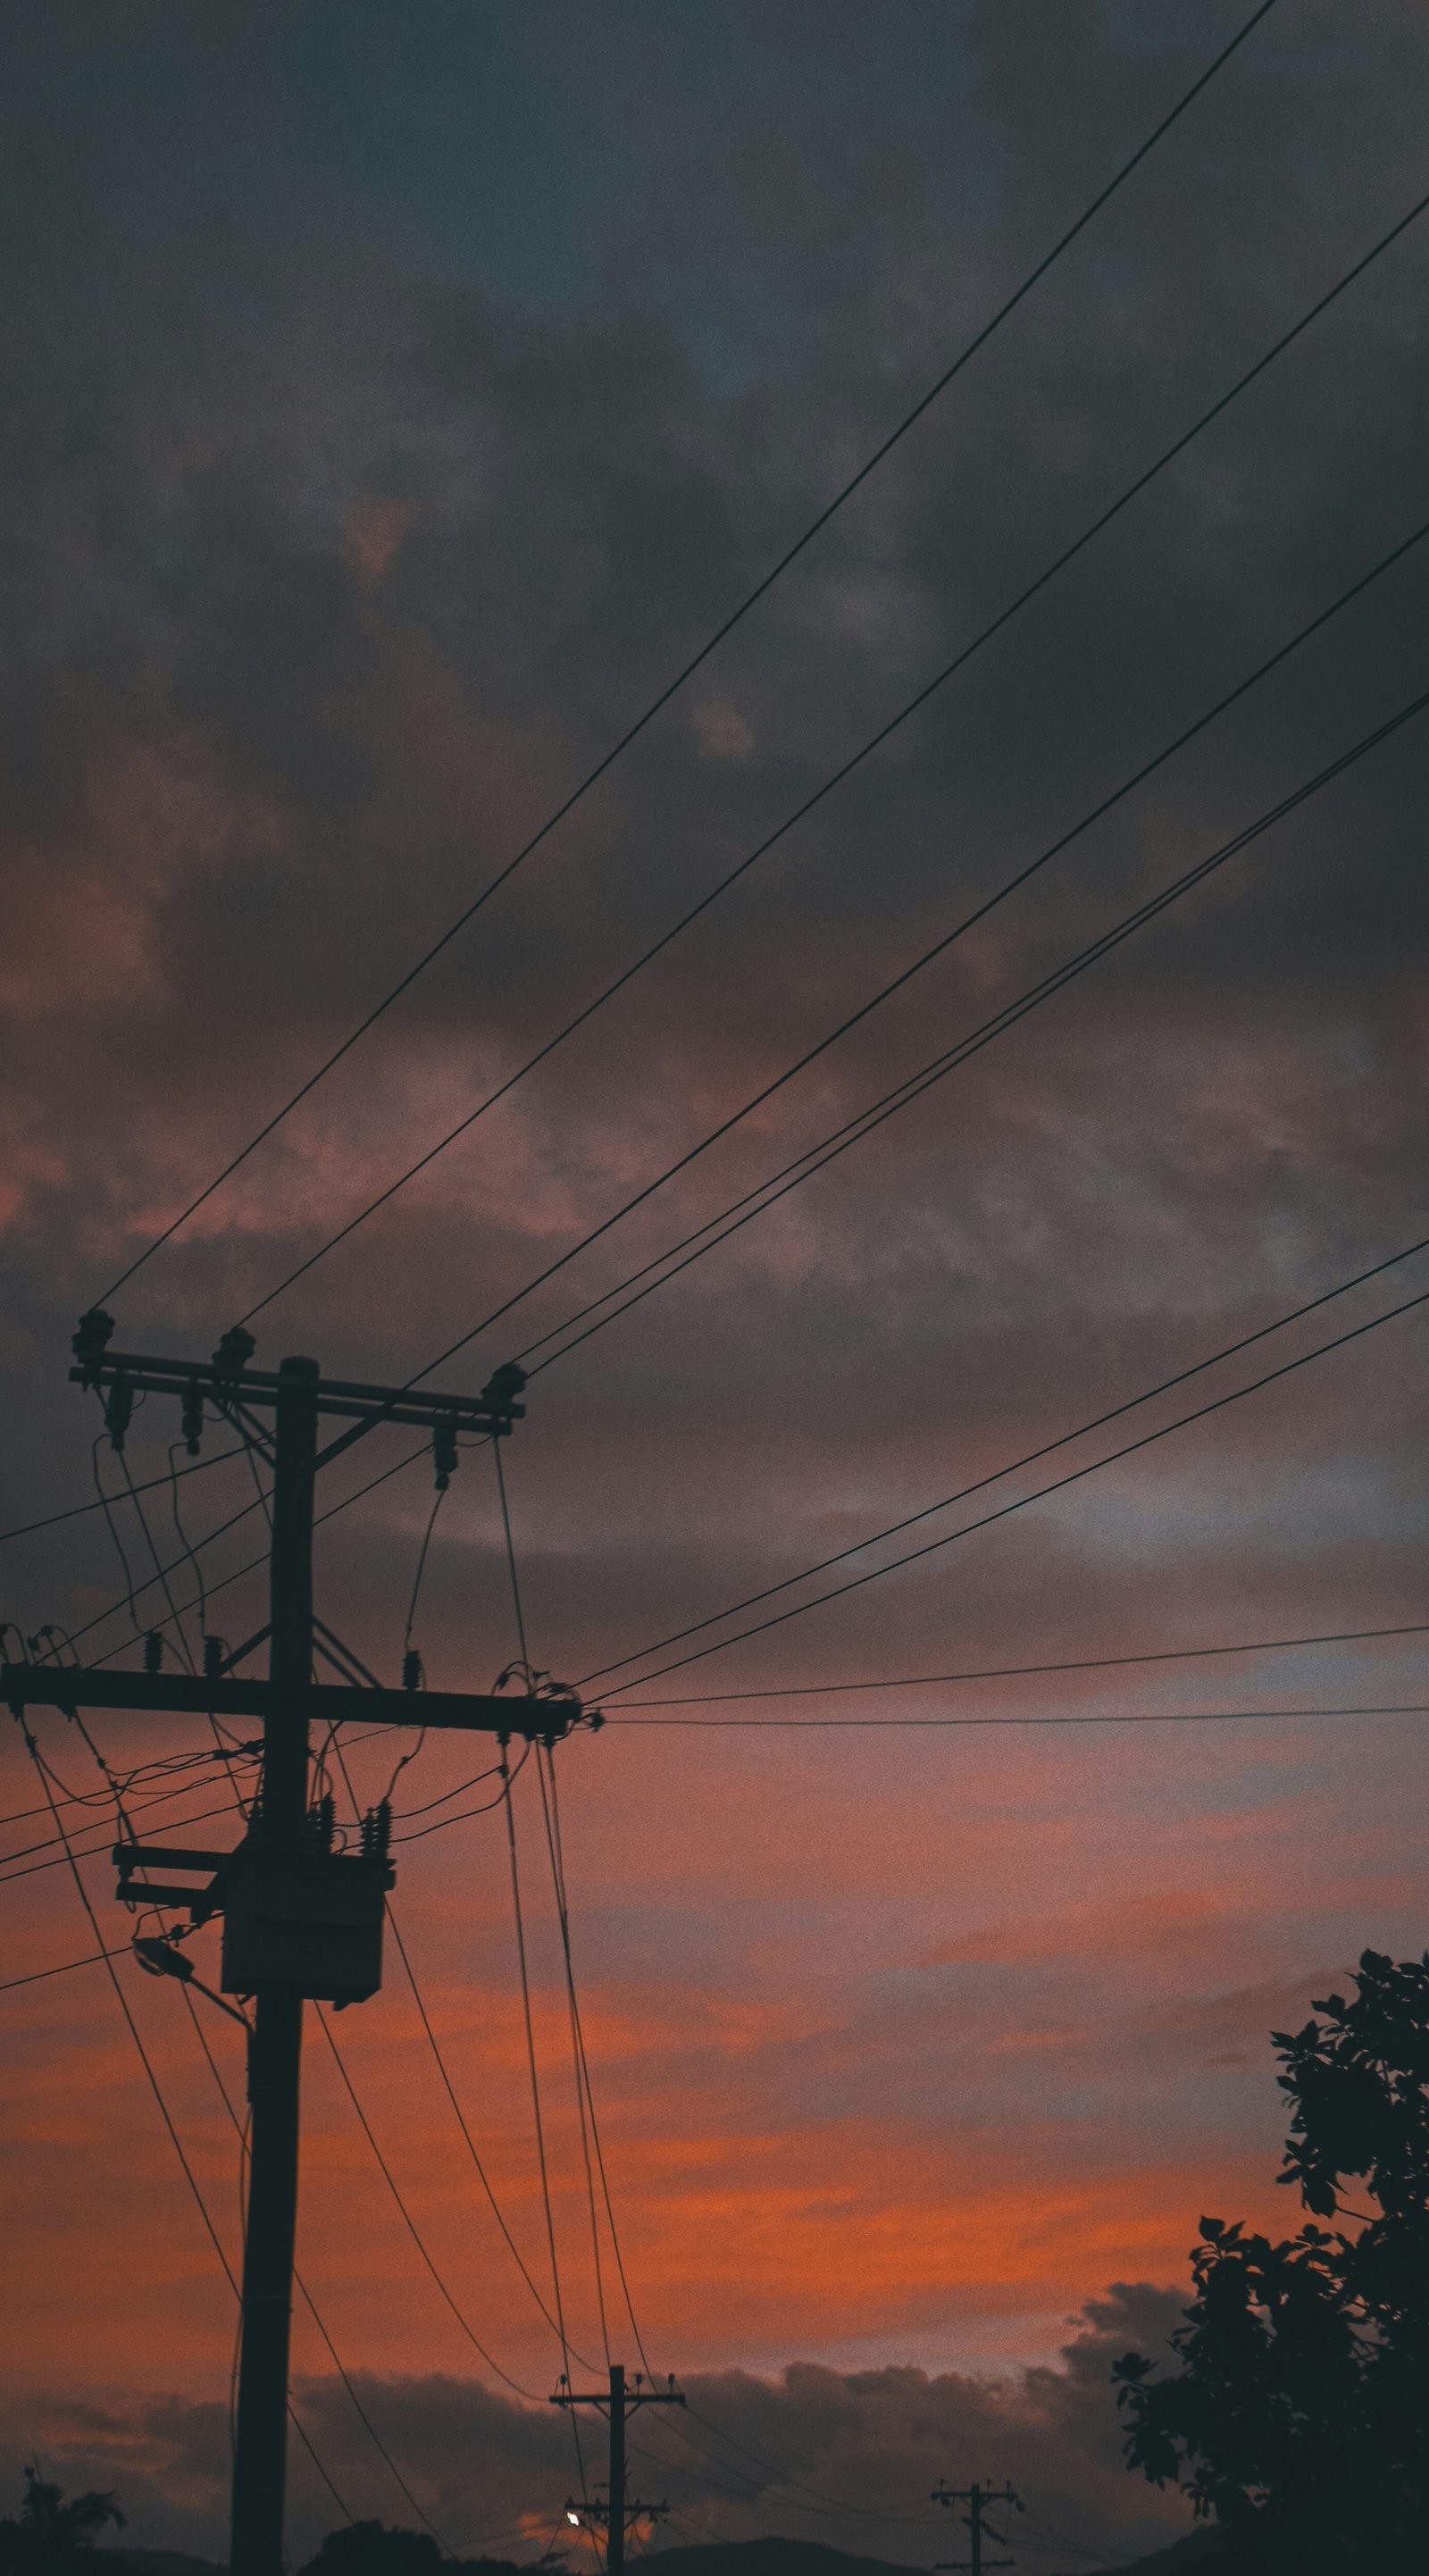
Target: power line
(1113,1412)
(409,2221)
(1096,1717)
(166,2116)
(306,2295)
(845,770)
(95,1959)
(853,1131)
(671,688)
(813,1158)
(77,1511)
(450,2089)
(1015,1672)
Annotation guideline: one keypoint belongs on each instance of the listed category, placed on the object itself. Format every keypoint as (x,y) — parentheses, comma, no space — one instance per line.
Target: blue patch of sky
(436,109)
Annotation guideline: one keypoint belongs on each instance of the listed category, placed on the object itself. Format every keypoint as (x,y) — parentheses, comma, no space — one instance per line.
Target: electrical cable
(578,2029)
(565,2341)
(1095,1717)
(577,2053)
(451,2094)
(517,1611)
(183,1538)
(402,1815)
(1058,1485)
(854,1129)
(422,1567)
(110,1525)
(309,2302)
(846,768)
(77,1511)
(254,1563)
(1018,1672)
(713,1232)
(95,1959)
(470,2143)
(1179,1377)
(164,2113)
(141,1773)
(412,2228)
(161,1576)
(727,627)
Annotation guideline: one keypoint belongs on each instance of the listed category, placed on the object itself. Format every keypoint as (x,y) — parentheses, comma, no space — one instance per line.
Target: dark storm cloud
(484,2467)
(351,516)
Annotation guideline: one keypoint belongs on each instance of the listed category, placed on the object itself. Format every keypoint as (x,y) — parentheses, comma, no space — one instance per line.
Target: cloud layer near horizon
(846,2458)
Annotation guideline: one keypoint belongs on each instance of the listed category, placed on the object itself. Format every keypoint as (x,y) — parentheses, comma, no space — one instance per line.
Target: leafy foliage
(53,2532)
(386,2549)
(1299,2418)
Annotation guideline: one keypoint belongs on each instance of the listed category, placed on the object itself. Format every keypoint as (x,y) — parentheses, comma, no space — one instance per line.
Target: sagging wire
(410,2223)
(558,1858)
(118,1412)
(241,2128)
(183,1538)
(506,1798)
(146,2062)
(441,1495)
(114,1534)
(510,1556)
(578,2067)
(471,2146)
(465,1813)
(404,1815)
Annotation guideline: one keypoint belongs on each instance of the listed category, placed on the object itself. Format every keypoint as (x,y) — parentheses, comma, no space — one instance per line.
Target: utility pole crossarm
(70,1686)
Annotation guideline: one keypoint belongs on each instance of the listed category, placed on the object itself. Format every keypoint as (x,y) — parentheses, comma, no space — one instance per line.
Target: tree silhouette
(1299,2418)
(53,2531)
(386,2549)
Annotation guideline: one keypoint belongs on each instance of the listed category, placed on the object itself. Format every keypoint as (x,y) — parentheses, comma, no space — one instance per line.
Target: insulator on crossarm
(153,1652)
(234,1351)
(413,1676)
(214,1650)
(444,1453)
(377,1831)
(500,1392)
(191,1420)
(320,1823)
(91,1341)
(117,1412)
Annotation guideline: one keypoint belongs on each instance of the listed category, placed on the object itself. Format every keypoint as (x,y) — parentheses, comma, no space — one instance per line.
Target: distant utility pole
(301,1920)
(618,2513)
(977,2499)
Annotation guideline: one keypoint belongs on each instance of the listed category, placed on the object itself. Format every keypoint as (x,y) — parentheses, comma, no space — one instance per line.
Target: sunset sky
(400,393)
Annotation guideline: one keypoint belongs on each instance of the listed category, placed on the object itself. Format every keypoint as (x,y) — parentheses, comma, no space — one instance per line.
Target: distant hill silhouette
(771,2557)
(775,2557)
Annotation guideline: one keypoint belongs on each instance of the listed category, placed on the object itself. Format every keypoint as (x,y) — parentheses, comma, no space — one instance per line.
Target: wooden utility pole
(301,1920)
(619,2510)
(977,2499)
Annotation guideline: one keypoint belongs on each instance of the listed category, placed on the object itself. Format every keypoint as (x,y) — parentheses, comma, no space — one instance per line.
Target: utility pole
(276,2047)
(301,1919)
(619,2512)
(977,2499)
